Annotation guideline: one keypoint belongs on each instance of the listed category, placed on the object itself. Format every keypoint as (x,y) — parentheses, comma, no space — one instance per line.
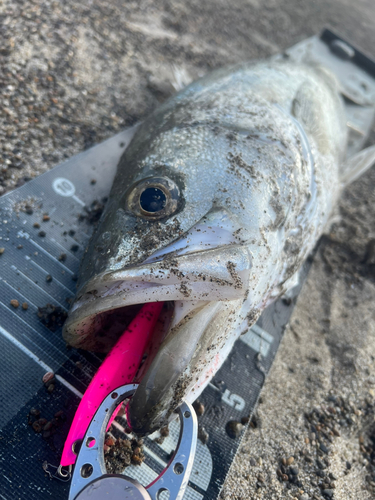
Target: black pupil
(152,200)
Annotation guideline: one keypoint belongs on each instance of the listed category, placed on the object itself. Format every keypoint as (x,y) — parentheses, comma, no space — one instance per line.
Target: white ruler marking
(35,284)
(51,256)
(25,350)
(69,386)
(60,353)
(64,249)
(19,293)
(41,363)
(46,273)
(75,198)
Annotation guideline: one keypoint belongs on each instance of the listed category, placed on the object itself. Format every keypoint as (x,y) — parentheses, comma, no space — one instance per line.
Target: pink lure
(118,368)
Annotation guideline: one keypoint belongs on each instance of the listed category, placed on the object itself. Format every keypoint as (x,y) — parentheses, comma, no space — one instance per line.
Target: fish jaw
(185,363)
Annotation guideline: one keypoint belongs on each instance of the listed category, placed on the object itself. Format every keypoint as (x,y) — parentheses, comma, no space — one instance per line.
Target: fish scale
(30,348)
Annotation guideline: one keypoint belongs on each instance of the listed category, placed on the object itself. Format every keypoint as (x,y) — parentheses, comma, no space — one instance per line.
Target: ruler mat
(35,250)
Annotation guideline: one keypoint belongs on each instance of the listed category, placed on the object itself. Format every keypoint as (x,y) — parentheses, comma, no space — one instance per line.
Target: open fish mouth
(203,278)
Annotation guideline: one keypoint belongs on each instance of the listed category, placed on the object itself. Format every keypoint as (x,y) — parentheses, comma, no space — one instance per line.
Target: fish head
(175,229)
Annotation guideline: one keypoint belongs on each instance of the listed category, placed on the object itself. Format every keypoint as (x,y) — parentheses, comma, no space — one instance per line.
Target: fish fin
(356,165)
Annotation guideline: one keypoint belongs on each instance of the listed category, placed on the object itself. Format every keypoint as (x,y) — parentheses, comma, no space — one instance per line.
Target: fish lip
(225,277)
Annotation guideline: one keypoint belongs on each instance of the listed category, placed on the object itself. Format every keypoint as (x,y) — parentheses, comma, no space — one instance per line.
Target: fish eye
(153,198)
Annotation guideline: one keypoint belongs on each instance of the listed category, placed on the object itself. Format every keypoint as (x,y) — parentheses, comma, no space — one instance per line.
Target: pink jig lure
(118,368)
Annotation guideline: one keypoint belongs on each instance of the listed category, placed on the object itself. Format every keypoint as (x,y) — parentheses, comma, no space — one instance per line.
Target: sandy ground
(74,73)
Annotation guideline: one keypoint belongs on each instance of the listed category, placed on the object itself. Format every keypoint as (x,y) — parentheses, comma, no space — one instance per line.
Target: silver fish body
(218,200)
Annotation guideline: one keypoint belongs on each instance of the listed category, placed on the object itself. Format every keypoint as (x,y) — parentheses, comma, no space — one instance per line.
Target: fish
(217,202)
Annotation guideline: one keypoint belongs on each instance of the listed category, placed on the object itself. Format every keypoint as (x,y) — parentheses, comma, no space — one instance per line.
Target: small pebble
(234,429)
(253,462)
(42,234)
(93,181)
(46,218)
(199,408)
(48,426)
(203,435)
(305,496)
(47,377)
(37,427)
(136,459)
(294,470)
(25,306)
(19,247)
(49,278)
(285,477)
(34,412)
(62,257)
(2,250)
(324,448)
(36,225)
(320,464)
(50,388)
(74,248)
(14,303)
(164,431)
(328,493)
(289,460)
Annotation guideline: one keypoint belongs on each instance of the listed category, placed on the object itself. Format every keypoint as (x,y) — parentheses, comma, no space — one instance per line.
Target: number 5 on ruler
(233,400)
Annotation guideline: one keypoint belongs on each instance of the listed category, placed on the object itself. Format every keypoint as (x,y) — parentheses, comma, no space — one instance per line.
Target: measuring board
(29,349)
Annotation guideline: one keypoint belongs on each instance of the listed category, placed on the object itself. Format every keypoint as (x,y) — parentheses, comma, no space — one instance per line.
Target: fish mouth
(201,284)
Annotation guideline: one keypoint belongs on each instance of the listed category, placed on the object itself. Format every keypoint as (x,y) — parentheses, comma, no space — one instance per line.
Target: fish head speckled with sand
(221,195)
